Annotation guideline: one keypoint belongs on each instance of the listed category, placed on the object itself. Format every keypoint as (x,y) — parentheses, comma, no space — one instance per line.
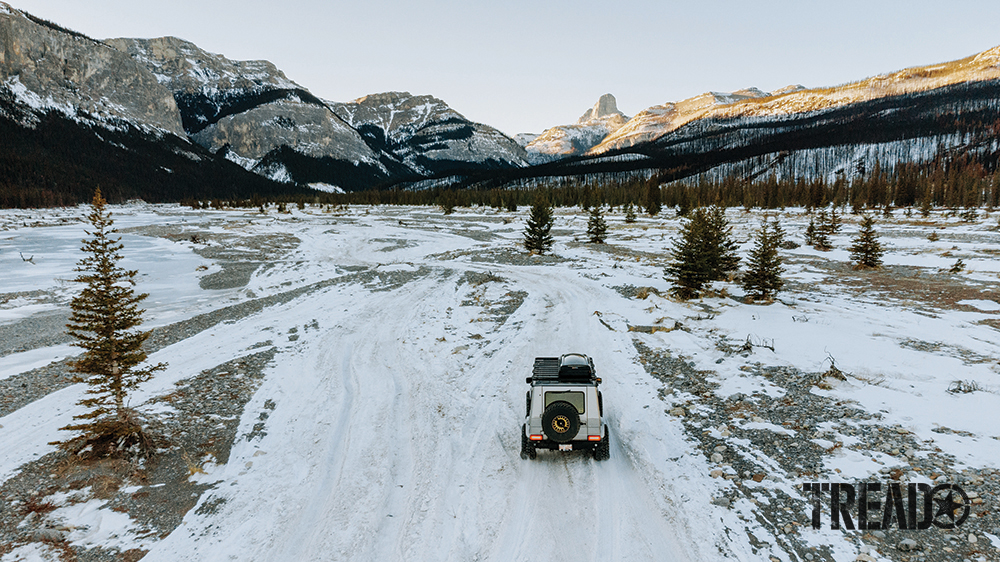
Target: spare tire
(560,422)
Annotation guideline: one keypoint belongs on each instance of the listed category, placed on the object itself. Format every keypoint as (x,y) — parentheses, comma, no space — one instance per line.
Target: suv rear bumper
(577,445)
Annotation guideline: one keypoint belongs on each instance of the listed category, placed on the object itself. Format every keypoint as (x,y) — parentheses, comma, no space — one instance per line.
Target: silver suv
(564,410)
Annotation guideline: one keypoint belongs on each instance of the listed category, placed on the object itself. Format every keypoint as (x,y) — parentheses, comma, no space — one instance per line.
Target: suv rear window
(574,398)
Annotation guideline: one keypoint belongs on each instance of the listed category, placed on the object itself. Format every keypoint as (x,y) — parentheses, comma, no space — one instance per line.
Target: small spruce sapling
(104,321)
(629,213)
(537,233)
(866,250)
(763,277)
(597,228)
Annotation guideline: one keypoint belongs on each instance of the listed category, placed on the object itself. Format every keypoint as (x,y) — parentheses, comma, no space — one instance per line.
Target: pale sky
(526,65)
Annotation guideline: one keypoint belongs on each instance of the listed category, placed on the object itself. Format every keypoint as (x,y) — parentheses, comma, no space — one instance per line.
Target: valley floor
(349,385)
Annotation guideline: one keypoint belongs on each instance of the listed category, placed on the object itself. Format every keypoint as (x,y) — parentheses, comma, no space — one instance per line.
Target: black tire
(602,451)
(560,422)
(527,446)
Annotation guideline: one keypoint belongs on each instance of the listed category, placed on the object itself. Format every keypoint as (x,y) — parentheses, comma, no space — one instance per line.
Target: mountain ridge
(250,113)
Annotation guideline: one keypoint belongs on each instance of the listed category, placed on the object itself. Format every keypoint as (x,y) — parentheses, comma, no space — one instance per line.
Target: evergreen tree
(811,233)
(629,213)
(537,233)
(704,253)
(763,278)
(719,243)
(818,233)
(834,222)
(104,319)
(691,268)
(653,198)
(866,249)
(597,229)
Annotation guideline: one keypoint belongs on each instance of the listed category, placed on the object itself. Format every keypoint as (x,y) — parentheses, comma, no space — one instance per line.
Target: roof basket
(572,367)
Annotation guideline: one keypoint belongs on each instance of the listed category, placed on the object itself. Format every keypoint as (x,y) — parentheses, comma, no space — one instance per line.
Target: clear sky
(525,65)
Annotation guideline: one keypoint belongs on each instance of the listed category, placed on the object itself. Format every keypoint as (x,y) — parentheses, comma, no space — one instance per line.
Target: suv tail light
(535,437)
(593,438)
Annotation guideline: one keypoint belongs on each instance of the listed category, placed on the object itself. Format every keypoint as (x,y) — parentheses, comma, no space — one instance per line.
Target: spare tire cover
(560,422)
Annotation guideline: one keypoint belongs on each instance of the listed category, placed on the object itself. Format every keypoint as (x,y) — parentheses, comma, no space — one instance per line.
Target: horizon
(528,70)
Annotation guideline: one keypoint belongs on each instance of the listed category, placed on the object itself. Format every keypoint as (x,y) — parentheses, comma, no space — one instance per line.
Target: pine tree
(719,243)
(834,223)
(104,319)
(866,249)
(629,213)
(597,229)
(818,234)
(691,268)
(811,233)
(653,198)
(763,278)
(704,253)
(537,233)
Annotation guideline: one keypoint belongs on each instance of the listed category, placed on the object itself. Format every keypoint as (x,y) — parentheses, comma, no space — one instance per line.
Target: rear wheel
(527,446)
(602,451)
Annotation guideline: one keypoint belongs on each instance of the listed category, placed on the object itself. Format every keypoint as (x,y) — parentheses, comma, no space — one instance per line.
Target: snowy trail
(393,442)
(569,507)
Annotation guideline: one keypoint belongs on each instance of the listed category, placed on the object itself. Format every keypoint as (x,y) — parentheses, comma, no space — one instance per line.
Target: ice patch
(982,304)
(94,526)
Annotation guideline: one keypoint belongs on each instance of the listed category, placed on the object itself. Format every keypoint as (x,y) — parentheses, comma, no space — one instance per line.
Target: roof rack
(553,369)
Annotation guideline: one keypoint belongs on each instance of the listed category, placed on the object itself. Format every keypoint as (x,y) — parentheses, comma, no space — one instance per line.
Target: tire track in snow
(567,506)
(390,444)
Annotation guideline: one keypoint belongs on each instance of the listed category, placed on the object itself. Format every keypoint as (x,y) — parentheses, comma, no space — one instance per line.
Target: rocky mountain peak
(989,58)
(184,67)
(606,106)
(395,111)
(53,67)
(789,89)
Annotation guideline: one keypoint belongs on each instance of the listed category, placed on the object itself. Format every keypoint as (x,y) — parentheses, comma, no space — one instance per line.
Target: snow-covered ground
(395,399)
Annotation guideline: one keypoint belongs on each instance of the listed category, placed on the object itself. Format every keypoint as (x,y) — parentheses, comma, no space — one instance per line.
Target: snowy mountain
(74,103)
(570,140)
(75,113)
(913,115)
(427,135)
(658,121)
(48,68)
(250,109)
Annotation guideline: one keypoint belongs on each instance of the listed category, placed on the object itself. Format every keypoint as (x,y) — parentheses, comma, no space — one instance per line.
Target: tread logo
(913,507)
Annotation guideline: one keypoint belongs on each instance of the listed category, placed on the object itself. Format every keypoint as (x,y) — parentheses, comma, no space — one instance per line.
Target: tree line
(964,181)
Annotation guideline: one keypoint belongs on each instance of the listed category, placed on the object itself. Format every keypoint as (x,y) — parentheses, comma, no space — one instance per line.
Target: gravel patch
(512,256)
(38,330)
(199,428)
(782,453)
